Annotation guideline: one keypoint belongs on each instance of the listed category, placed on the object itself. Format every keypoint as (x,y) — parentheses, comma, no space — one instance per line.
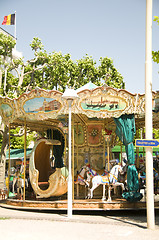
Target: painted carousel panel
(41,104)
(79,135)
(94,134)
(106,103)
(7,109)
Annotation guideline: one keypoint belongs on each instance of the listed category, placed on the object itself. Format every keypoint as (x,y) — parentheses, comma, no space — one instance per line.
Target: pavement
(92,225)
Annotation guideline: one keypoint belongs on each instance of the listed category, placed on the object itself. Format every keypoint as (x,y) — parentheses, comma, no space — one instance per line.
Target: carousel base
(78,204)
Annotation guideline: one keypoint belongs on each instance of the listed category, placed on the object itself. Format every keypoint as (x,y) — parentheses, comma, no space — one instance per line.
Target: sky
(99,28)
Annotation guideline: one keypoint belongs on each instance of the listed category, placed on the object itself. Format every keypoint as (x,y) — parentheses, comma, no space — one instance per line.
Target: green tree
(6,45)
(155,54)
(17,138)
(109,74)
(155,57)
(55,71)
(156,19)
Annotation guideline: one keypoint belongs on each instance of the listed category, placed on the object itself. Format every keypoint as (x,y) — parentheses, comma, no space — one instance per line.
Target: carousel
(75,137)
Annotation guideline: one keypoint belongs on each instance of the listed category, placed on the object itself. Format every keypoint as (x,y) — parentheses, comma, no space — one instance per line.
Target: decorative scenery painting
(6,110)
(41,104)
(102,103)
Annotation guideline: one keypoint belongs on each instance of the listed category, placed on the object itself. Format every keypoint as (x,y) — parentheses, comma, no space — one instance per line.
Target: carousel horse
(18,181)
(20,185)
(156,175)
(82,179)
(110,179)
(156,180)
(142,177)
(15,179)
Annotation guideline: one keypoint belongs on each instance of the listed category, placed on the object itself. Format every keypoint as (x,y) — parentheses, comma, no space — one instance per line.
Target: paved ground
(114,225)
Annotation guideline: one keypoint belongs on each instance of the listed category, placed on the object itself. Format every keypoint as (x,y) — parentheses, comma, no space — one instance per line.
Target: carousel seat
(45,181)
(43,185)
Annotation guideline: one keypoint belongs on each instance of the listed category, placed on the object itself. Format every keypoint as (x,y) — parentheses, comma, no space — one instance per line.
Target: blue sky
(99,28)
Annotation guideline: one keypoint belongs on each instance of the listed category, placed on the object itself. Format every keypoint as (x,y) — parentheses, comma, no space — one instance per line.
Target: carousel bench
(42,183)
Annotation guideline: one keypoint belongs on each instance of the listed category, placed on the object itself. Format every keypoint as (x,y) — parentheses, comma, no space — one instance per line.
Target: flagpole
(15,30)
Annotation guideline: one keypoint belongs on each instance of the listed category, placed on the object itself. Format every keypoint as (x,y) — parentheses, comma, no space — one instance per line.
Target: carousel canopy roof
(18,153)
(88,86)
(46,108)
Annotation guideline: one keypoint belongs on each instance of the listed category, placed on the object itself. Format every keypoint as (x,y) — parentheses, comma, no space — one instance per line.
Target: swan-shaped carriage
(45,180)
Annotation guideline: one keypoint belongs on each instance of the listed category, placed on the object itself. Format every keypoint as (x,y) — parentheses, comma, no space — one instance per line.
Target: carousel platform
(78,204)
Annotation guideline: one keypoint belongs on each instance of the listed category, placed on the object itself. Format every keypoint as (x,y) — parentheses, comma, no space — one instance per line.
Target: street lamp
(69,95)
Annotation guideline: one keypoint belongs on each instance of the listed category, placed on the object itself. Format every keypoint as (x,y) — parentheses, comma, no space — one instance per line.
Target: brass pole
(111,141)
(137,154)
(9,164)
(137,159)
(25,135)
(65,138)
(52,133)
(104,157)
(73,152)
(104,163)
(121,152)
(108,154)
(143,147)
(143,154)
(77,145)
(77,185)
(65,149)
(108,149)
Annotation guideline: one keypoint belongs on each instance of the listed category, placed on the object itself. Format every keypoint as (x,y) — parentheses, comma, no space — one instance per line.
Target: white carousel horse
(82,178)
(111,180)
(92,173)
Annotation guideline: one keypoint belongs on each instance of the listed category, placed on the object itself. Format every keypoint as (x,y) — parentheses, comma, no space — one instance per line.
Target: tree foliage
(6,45)
(155,57)
(52,70)
(156,19)
(17,139)
(155,54)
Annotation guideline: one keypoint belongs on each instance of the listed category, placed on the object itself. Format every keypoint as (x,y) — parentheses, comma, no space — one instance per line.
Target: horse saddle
(105,179)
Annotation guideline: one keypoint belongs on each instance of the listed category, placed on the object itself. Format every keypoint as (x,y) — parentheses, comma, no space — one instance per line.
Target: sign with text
(147,142)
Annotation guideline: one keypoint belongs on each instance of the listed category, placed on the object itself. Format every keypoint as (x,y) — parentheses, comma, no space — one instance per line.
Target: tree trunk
(3,156)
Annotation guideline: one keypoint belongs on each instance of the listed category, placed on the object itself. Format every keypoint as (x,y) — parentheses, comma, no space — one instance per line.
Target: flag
(9,20)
